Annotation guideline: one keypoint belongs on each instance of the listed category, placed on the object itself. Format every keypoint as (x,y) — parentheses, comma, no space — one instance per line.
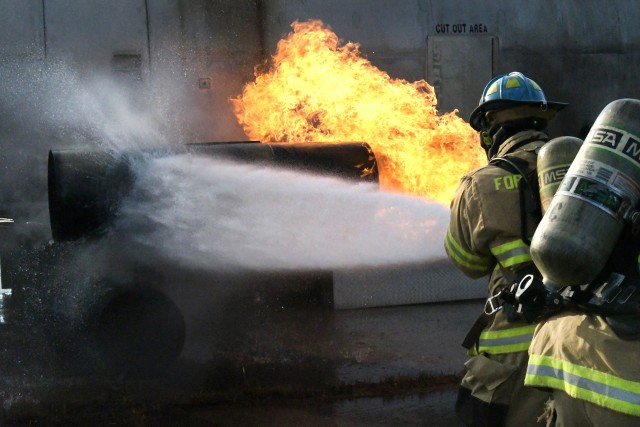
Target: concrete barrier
(417,283)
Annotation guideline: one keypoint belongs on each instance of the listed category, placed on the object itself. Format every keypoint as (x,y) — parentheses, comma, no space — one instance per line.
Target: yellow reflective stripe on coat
(464,258)
(512,253)
(503,341)
(599,388)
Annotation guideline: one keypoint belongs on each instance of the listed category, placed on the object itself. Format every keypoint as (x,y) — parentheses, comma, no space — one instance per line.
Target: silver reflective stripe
(585,383)
(506,340)
(512,253)
(496,342)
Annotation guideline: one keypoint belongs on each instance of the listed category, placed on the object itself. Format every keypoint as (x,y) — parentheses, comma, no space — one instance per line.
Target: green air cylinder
(554,159)
(586,216)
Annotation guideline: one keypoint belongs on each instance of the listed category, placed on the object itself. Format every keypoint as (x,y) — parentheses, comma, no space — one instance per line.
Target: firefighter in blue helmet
(494,213)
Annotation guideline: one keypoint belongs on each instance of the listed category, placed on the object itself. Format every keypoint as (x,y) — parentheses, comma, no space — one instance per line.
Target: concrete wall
(21,29)
(210,47)
(199,52)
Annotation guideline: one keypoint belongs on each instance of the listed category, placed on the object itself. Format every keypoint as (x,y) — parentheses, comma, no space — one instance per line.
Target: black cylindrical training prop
(87,186)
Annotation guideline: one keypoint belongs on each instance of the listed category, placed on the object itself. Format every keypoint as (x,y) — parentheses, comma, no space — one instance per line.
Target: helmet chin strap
(491,138)
(499,137)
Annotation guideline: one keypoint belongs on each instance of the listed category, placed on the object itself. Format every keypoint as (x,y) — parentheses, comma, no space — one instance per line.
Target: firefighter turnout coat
(485,238)
(579,354)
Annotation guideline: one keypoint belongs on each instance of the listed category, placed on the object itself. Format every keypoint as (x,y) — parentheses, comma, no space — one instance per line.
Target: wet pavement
(433,409)
(259,350)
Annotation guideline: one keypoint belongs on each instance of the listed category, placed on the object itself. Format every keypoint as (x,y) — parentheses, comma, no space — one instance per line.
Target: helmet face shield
(507,91)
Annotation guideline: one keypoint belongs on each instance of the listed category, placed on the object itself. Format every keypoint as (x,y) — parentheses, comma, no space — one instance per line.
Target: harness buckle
(491,306)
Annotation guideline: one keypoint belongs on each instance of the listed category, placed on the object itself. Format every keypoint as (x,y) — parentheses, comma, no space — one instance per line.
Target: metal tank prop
(130,324)
(86,186)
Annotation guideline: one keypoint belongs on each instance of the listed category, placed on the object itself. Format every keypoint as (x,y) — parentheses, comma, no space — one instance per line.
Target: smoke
(210,214)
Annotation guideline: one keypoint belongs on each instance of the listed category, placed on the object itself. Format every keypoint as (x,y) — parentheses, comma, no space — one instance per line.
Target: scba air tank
(554,159)
(598,194)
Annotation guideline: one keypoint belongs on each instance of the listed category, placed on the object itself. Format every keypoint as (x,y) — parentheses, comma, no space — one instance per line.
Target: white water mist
(206,213)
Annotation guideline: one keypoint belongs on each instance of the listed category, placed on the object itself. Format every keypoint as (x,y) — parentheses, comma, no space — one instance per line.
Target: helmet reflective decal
(535,85)
(492,89)
(512,82)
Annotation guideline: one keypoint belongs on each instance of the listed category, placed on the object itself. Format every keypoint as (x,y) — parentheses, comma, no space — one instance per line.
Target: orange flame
(319,91)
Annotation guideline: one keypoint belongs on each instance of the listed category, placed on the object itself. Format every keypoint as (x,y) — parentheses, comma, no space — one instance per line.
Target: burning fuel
(317,90)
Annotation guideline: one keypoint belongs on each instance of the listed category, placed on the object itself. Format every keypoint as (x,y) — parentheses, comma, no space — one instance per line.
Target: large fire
(318,91)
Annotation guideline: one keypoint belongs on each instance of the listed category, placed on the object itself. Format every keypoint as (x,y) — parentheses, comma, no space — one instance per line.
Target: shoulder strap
(529,203)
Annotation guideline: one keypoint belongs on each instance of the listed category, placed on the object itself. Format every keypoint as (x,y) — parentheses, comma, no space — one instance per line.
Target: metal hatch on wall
(459,67)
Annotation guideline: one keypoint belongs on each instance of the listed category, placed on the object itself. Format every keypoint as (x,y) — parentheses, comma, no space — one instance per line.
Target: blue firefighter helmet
(510,90)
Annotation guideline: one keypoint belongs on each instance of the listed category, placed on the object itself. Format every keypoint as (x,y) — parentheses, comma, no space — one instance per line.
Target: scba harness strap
(617,300)
(614,295)
(529,200)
